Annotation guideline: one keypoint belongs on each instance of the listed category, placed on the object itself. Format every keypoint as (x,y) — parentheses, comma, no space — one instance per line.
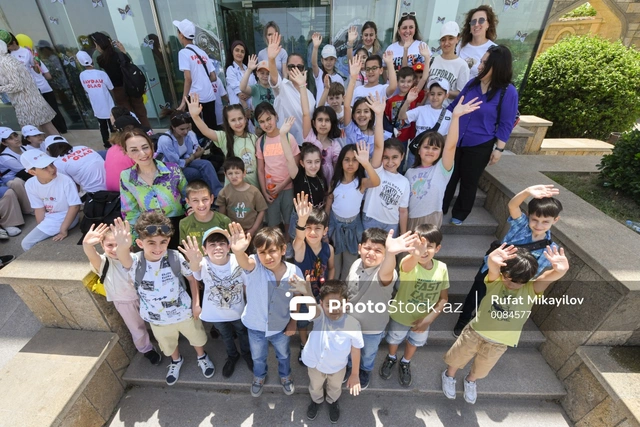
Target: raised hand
(557,258)
(500,255)
(316,38)
(387,57)
(239,240)
(298,77)
(354,67)
(425,51)
(462,109)
(252,64)
(352,36)
(376,104)
(362,155)
(273,48)
(94,236)
(193,102)
(402,243)
(412,95)
(122,232)
(303,206)
(542,191)
(191,250)
(420,247)
(286,126)
(327,81)
(298,285)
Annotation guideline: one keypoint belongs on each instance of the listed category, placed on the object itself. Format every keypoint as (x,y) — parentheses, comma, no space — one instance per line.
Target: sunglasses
(367,69)
(478,21)
(158,229)
(292,66)
(408,14)
(181,116)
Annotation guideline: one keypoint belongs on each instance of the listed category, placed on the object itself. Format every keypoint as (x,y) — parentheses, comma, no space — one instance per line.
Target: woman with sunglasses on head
(406,49)
(477,36)
(486,130)
(150,184)
(180,146)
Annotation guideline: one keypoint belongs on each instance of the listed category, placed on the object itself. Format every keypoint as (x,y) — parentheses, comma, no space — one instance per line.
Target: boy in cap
(449,66)
(98,86)
(327,67)
(261,91)
(53,196)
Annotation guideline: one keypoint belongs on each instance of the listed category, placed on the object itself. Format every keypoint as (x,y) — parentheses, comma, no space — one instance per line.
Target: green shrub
(621,168)
(581,11)
(586,85)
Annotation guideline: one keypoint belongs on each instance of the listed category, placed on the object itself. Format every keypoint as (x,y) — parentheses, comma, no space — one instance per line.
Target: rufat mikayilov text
(538,299)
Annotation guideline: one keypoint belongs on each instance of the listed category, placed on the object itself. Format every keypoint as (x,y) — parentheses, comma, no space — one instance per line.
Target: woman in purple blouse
(483,133)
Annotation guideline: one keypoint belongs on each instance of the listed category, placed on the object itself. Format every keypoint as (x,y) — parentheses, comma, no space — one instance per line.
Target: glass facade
(59,28)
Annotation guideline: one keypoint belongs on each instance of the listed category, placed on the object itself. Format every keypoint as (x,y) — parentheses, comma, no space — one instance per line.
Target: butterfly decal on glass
(53,20)
(436,50)
(147,42)
(521,36)
(126,11)
(441,19)
(97,3)
(166,106)
(406,3)
(152,80)
(84,41)
(513,4)
(68,60)
(59,1)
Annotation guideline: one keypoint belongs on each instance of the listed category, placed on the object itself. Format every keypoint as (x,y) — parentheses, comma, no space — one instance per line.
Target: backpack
(101,207)
(174,263)
(135,82)
(261,141)
(414,145)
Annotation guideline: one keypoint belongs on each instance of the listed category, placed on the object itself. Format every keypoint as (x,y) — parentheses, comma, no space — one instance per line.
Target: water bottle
(271,186)
(635,226)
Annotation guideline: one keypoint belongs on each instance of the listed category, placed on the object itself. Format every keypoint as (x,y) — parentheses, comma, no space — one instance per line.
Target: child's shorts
(167,335)
(470,344)
(302,324)
(280,210)
(397,332)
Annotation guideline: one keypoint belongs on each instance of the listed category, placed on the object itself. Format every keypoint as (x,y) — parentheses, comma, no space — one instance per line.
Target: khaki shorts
(167,335)
(470,344)
(434,218)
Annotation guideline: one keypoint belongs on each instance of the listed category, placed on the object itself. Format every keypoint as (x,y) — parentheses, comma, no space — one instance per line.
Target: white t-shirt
(163,300)
(427,189)
(363,92)
(413,54)
(347,199)
(85,167)
(220,91)
(234,77)
(287,104)
(25,56)
(335,78)
(455,71)
(117,284)
(97,84)
(426,118)
(383,202)
(200,81)
(55,197)
(472,56)
(223,299)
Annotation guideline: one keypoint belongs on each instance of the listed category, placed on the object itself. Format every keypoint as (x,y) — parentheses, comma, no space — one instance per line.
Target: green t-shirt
(190,226)
(420,289)
(503,312)
(261,94)
(245,148)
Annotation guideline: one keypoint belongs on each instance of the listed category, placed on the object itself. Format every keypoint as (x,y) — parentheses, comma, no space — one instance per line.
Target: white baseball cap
(329,51)
(187,28)
(444,84)
(35,159)
(451,28)
(84,58)
(50,140)
(212,230)
(5,132)
(29,130)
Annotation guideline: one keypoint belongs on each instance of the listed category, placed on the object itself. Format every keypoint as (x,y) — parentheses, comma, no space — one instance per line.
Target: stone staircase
(522,375)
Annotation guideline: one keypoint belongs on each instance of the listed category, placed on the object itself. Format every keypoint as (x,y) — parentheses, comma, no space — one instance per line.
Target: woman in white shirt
(236,67)
(477,36)
(406,49)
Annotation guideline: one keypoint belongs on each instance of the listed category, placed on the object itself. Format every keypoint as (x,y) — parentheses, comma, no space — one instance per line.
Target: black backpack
(101,207)
(135,82)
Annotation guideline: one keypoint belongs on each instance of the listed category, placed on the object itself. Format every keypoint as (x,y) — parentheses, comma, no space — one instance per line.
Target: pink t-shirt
(275,163)
(329,155)
(115,162)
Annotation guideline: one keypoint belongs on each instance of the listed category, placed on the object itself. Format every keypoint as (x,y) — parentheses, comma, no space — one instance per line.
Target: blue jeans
(226,330)
(203,170)
(369,222)
(369,351)
(260,350)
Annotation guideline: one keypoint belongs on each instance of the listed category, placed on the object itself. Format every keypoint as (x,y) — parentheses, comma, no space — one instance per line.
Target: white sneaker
(470,391)
(12,231)
(206,365)
(174,371)
(3,234)
(448,385)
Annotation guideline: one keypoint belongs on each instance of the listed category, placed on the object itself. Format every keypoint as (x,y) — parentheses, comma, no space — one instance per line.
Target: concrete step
(464,250)
(157,407)
(481,197)
(479,221)
(521,373)
(460,280)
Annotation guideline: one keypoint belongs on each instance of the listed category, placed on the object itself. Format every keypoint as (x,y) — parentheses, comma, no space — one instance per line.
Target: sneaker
(312,410)
(287,386)
(6,259)
(470,391)
(3,234)
(247,358)
(347,374)
(387,367)
(300,355)
(405,374)
(206,365)
(154,357)
(230,366)
(12,231)
(334,412)
(448,385)
(456,221)
(174,371)
(257,385)
(364,379)
(457,330)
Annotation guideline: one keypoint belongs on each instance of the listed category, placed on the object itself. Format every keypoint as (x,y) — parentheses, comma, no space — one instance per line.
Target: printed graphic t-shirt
(223,299)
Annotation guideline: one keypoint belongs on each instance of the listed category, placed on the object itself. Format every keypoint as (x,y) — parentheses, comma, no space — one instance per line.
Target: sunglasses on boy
(292,66)
(478,21)
(158,229)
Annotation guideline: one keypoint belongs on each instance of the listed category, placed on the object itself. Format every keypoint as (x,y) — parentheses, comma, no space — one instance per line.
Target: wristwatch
(499,149)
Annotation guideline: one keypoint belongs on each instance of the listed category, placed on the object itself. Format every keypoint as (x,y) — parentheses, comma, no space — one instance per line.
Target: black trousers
(58,120)
(105,128)
(208,117)
(478,288)
(469,164)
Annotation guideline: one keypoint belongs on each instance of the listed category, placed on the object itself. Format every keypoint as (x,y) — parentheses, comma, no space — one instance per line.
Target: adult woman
(109,60)
(486,130)
(406,49)
(270,30)
(31,108)
(150,185)
(236,67)
(478,34)
(180,146)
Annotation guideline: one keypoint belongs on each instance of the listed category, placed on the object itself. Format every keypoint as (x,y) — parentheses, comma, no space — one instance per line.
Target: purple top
(480,126)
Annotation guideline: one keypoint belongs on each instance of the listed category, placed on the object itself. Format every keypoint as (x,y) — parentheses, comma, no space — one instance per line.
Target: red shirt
(406,132)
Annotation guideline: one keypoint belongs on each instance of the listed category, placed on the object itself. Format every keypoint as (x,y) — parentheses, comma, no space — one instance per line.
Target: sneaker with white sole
(470,391)
(3,234)
(257,385)
(12,231)
(448,385)
(287,386)
(174,371)
(206,365)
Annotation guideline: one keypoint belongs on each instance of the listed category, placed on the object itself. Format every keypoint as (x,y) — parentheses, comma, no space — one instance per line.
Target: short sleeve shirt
(242,206)
(55,197)
(275,163)
(245,148)
(223,298)
(117,284)
(383,202)
(427,189)
(427,117)
(97,84)
(200,81)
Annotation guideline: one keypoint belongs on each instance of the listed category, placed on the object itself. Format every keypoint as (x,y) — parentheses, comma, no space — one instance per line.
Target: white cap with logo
(451,28)
(187,28)
(35,159)
(443,83)
(5,132)
(84,58)
(329,51)
(29,130)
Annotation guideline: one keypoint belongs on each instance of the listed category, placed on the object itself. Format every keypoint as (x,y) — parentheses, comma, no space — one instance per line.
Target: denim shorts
(369,222)
(302,324)
(396,334)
